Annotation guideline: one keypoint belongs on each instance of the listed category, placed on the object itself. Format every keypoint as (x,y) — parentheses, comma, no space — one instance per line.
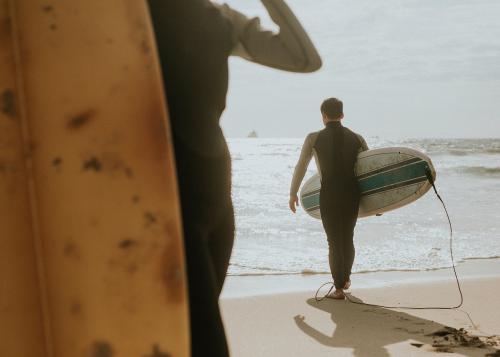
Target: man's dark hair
(332,108)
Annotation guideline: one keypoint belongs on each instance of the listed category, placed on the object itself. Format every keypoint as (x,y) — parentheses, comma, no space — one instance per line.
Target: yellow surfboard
(91,250)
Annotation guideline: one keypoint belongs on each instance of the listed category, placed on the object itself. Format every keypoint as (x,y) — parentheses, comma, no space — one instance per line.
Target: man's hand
(294,201)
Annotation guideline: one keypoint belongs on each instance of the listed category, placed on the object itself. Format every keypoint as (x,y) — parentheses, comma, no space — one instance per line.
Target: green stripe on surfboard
(402,174)
(311,201)
(377,181)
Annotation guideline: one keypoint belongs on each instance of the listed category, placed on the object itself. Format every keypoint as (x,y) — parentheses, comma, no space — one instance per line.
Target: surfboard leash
(428,174)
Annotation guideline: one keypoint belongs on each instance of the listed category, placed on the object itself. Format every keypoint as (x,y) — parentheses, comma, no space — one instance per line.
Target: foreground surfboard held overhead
(388,178)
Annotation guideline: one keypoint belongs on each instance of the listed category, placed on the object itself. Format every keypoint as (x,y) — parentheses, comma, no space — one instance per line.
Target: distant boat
(252,134)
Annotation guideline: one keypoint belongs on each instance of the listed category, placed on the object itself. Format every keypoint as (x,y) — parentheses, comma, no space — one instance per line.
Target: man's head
(332,109)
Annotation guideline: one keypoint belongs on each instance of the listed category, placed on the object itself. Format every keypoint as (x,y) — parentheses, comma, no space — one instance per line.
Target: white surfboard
(388,178)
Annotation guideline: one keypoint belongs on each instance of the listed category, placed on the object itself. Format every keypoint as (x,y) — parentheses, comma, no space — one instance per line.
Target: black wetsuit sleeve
(362,142)
(301,167)
(290,49)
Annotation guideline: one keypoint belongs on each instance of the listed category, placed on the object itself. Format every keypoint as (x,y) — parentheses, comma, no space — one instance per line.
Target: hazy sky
(404,68)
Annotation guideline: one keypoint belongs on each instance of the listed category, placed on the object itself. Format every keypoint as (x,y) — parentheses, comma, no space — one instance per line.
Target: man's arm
(362,142)
(290,49)
(300,170)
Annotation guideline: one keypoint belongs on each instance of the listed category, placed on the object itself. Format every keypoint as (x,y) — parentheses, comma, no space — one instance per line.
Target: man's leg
(349,252)
(334,231)
(207,330)
(203,210)
(350,220)
(221,244)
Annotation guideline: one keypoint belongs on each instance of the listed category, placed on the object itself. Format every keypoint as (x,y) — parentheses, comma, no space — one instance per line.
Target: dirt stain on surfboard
(92,164)
(57,164)
(171,267)
(80,120)
(8,105)
(109,163)
(75,309)
(50,11)
(132,255)
(127,243)
(47,8)
(145,47)
(158,353)
(57,161)
(101,349)
(71,250)
(150,219)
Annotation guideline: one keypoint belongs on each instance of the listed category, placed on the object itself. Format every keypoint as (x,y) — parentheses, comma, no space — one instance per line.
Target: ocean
(270,239)
(404,69)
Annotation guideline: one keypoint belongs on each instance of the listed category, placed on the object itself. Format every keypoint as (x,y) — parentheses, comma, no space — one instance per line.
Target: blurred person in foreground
(335,149)
(195,39)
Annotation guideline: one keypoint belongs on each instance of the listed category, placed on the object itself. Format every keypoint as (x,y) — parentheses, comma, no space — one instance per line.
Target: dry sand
(278,315)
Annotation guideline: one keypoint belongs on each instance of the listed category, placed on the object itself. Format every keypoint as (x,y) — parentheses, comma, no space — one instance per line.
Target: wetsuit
(195,39)
(335,149)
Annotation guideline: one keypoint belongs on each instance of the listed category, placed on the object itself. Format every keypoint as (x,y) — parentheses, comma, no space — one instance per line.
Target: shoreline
(266,284)
(309,272)
(278,316)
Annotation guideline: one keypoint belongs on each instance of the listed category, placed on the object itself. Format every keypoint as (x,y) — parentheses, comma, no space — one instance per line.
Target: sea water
(404,68)
(270,239)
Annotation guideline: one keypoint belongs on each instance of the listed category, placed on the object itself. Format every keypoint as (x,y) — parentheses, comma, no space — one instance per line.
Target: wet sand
(278,315)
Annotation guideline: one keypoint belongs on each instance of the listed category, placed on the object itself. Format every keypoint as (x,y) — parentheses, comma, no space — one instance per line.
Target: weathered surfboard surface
(388,178)
(91,176)
(21,323)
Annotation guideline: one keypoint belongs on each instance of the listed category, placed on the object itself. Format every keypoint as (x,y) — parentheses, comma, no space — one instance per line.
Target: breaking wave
(479,170)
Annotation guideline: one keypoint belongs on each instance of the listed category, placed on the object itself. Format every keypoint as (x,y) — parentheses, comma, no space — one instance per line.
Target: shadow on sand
(369,330)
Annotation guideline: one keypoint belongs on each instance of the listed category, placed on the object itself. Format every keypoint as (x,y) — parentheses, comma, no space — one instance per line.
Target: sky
(403,68)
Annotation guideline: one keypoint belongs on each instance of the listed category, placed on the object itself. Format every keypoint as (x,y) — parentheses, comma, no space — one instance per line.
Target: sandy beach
(277,315)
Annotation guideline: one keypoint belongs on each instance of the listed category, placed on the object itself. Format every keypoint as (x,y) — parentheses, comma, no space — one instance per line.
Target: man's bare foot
(347,284)
(338,294)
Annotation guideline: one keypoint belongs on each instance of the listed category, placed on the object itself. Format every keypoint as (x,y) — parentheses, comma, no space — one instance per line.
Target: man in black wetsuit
(335,149)
(195,39)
